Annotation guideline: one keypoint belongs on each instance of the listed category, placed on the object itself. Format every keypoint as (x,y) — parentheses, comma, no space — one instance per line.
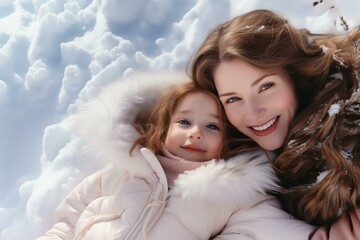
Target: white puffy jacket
(129,199)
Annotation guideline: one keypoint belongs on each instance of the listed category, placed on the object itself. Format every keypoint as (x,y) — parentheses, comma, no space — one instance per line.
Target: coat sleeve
(68,212)
(264,220)
(347,227)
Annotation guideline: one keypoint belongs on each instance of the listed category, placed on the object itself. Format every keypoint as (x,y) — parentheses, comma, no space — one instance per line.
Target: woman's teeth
(265,126)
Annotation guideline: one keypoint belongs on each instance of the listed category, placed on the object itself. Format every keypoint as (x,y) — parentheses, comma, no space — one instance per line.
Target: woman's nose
(255,110)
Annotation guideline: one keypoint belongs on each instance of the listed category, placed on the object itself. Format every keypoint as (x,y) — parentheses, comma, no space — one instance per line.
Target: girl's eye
(184,122)
(265,87)
(213,127)
(232,99)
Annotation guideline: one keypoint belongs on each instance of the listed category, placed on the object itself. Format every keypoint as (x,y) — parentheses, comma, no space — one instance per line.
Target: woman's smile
(266,128)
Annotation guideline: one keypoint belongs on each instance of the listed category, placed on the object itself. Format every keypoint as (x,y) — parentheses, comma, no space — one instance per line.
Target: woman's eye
(232,99)
(213,127)
(184,122)
(265,86)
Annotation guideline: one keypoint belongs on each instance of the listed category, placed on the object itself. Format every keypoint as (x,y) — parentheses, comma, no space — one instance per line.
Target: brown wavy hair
(153,133)
(325,71)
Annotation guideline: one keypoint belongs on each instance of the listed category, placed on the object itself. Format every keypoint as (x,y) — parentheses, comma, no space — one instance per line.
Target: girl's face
(194,132)
(259,103)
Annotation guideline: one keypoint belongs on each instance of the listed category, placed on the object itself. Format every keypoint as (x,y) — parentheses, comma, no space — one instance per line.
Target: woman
(296,93)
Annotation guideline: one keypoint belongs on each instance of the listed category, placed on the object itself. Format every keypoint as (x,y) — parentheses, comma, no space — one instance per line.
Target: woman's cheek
(232,115)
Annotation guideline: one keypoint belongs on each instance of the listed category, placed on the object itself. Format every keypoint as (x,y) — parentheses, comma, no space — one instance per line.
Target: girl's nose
(195,133)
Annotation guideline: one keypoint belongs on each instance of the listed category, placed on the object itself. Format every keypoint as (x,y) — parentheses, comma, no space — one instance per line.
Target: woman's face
(259,103)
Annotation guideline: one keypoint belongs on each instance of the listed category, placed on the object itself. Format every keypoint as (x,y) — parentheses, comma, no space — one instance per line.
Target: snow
(334,109)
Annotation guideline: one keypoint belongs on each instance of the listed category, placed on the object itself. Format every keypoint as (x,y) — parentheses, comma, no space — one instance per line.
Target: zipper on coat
(139,227)
(138,231)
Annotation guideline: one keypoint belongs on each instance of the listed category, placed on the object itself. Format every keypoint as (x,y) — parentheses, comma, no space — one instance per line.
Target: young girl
(169,186)
(288,90)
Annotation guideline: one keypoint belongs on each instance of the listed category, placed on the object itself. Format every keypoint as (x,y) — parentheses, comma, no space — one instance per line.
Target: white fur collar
(242,180)
(239,180)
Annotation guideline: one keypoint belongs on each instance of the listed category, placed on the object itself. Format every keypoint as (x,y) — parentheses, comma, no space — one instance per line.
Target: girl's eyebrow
(217,116)
(185,111)
(252,84)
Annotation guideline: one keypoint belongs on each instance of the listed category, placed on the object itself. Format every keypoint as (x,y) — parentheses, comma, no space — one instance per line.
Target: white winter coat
(129,199)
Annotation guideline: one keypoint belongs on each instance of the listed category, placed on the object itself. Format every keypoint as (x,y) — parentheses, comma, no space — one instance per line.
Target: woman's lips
(266,128)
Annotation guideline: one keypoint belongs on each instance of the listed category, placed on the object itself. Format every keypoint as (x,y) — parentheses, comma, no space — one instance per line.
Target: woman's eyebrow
(227,94)
(252,84)
(261,78)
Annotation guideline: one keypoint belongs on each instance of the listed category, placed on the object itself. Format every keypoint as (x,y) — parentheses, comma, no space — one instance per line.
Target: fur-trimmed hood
(106,124)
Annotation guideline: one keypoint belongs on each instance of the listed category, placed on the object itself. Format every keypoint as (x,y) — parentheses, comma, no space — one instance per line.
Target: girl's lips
(266,128)
(192,148)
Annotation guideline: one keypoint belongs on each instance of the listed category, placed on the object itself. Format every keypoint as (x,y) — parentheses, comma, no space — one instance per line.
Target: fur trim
(105,122)
(239,180)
